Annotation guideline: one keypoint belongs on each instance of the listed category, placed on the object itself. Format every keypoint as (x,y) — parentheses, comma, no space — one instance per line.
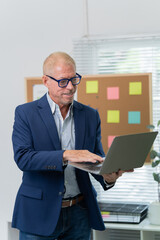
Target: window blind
(136,187)
(116,56)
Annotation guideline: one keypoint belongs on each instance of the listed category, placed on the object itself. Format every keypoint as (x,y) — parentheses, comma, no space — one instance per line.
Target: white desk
(116,231)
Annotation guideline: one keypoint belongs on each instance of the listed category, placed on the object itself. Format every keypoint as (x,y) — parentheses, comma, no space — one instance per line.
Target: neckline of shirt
(55,108)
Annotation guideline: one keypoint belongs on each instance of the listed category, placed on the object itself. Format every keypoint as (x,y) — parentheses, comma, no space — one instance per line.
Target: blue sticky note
(134,117)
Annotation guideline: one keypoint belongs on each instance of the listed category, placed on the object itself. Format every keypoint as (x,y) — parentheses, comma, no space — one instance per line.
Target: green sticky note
(91,86)
(135,88)
(113,116)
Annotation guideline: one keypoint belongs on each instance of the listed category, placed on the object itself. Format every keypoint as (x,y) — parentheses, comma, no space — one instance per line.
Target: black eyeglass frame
(68,80)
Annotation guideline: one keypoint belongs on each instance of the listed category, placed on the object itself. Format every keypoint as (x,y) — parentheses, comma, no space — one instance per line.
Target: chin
(67,102)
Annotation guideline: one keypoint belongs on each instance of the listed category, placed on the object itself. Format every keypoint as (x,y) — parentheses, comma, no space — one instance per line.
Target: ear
(45,80)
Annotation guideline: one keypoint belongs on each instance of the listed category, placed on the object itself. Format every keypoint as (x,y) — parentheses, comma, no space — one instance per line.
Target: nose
(70,86)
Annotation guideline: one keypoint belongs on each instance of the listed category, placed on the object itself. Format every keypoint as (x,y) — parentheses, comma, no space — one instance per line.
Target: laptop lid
(126,152)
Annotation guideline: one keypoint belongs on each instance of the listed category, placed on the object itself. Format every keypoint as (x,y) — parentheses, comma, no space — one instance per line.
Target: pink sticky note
(112,93)
(110,140)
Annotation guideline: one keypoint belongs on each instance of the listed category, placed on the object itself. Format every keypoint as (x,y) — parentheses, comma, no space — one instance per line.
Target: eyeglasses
(64,82)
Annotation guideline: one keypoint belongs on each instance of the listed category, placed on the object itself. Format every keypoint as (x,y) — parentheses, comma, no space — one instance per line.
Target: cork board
(123,101)
(34,83)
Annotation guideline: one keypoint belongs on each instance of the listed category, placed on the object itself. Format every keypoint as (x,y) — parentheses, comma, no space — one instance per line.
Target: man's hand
(81,156)
(112,177)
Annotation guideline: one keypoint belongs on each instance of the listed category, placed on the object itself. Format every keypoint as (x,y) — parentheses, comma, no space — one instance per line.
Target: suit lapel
(48,119)
(79,121)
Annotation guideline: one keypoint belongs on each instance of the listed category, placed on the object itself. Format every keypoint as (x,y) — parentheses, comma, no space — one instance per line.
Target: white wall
(117,17)
(29,31)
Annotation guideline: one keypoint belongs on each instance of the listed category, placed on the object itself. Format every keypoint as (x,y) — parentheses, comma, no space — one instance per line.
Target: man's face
(61,96)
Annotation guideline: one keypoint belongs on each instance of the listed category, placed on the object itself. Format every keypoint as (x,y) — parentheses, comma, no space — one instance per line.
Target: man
(55,200)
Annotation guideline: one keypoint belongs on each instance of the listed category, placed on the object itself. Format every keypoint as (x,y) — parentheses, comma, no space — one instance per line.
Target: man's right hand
(81,156)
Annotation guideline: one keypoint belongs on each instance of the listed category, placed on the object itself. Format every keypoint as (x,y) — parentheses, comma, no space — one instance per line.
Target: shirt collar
(55,106)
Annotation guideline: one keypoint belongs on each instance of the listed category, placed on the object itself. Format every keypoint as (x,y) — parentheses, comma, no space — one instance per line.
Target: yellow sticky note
(91,86)
(135,88)
(113,116)
(105,213)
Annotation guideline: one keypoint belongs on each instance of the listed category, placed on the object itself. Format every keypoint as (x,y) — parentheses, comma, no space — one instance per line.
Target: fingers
(81,156)
(131,170)
(120,173)
(91,157)
(112,177)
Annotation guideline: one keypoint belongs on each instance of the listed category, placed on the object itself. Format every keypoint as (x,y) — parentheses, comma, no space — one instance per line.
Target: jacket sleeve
(26,157)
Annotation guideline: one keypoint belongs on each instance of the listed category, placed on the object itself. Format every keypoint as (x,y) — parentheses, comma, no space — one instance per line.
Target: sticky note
(105,214)
(113,116)
(110,140)
(112,93)
(134,117)
(135,88)
(91,86)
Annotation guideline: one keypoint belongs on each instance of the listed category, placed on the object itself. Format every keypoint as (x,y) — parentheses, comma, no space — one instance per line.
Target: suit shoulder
(84,107)
(30,105)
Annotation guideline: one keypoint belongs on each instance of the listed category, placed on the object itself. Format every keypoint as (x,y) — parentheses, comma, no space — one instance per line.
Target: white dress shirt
(66,132)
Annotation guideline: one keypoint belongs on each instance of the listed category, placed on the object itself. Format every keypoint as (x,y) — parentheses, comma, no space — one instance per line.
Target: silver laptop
(126,152)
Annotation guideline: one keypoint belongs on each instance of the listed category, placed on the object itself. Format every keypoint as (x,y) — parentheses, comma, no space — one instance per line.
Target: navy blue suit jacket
(38,153)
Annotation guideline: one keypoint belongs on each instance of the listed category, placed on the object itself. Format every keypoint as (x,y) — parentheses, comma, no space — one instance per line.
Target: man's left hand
(112,177)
